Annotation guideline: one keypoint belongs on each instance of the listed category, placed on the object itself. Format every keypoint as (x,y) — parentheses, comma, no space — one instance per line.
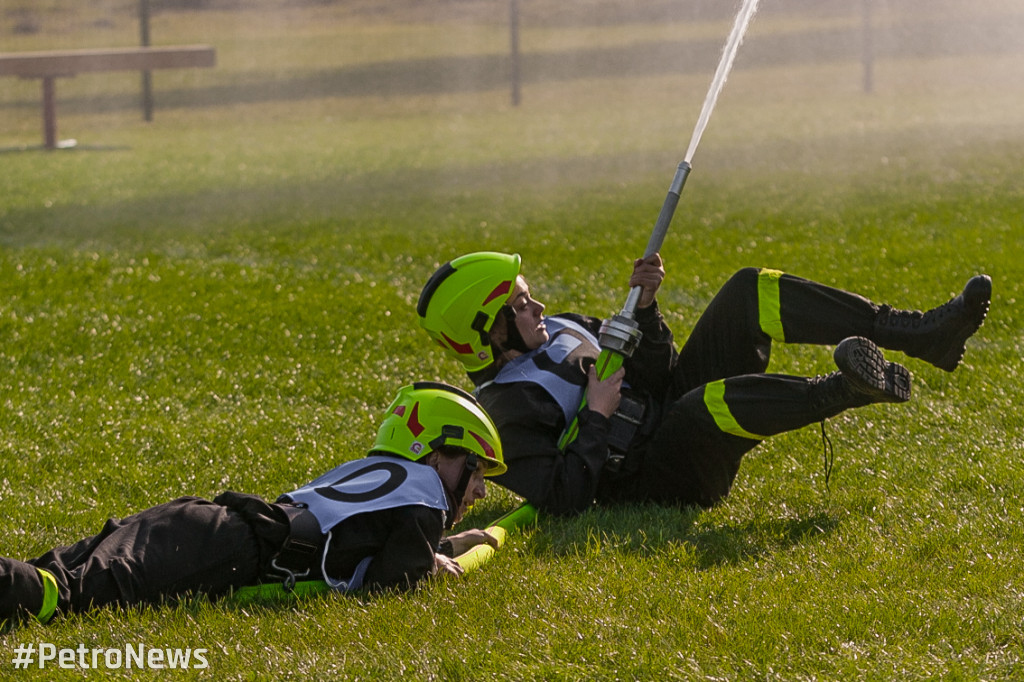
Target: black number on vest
(397,477)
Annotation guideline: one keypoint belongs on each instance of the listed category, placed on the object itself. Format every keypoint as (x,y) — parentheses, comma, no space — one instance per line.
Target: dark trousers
(189,545)
(689,460)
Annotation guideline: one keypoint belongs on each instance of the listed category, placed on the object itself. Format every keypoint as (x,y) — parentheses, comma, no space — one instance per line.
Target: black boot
(940,335)
(864,377)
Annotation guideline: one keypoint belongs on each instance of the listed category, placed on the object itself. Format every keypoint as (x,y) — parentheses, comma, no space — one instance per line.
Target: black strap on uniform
(301,548)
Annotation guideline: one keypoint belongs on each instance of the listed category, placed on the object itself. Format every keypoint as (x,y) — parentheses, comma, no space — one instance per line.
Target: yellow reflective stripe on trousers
(769,309)
(49,596)
(714,399)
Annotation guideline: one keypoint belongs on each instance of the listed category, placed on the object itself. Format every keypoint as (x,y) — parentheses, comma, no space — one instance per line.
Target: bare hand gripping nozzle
(619,333)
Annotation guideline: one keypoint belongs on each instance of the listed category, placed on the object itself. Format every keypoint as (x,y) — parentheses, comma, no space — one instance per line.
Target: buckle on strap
(299,550)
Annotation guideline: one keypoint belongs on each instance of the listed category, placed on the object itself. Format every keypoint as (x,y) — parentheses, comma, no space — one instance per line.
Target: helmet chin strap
(471,465)
(513,339)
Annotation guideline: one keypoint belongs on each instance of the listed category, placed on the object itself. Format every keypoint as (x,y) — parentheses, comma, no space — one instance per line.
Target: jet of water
(732,44)
(739,28)
(620,333)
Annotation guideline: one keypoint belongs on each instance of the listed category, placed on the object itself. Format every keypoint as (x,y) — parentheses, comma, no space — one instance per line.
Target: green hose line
(608,363)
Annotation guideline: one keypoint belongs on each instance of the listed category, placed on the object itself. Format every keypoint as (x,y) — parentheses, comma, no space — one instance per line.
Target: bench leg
(49,112)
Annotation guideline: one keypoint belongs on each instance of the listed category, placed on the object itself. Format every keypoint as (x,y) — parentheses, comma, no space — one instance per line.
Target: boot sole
(868,372)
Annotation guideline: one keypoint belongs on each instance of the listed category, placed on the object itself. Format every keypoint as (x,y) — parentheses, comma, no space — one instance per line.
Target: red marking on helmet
(488,450)
(414,421)
(500,290)
(400,410)
(461,348)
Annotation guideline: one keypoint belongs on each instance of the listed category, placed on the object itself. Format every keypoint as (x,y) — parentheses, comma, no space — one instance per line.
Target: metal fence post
(147,76)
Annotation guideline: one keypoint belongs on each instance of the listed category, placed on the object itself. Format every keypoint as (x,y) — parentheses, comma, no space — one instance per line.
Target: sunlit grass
(224,299)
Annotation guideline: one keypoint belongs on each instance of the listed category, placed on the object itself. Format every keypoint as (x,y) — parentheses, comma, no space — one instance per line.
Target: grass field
(224,298)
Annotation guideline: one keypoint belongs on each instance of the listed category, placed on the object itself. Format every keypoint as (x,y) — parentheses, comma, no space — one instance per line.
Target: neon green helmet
(461,300)
(429,415)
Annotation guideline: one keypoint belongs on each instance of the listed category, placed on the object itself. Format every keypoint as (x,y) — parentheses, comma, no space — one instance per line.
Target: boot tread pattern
(869,373)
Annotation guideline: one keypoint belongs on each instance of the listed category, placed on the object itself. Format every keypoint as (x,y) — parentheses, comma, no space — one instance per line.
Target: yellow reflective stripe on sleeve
(714,400)
(49,596)
(768,306)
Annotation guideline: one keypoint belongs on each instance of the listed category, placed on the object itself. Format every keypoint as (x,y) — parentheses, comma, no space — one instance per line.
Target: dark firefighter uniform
(704,406)
(192,545)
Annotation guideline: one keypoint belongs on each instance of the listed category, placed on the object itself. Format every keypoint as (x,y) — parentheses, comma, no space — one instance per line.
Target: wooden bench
(65,63)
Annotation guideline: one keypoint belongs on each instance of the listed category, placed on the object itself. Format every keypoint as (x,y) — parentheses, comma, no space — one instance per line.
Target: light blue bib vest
(366,485)
(529,367)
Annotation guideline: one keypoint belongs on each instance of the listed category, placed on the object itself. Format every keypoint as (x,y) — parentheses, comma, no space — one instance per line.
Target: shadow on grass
(648,530)
(273,204)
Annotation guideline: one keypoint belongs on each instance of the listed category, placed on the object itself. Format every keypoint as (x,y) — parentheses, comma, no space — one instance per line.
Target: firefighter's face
(529,315)
(450,470)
